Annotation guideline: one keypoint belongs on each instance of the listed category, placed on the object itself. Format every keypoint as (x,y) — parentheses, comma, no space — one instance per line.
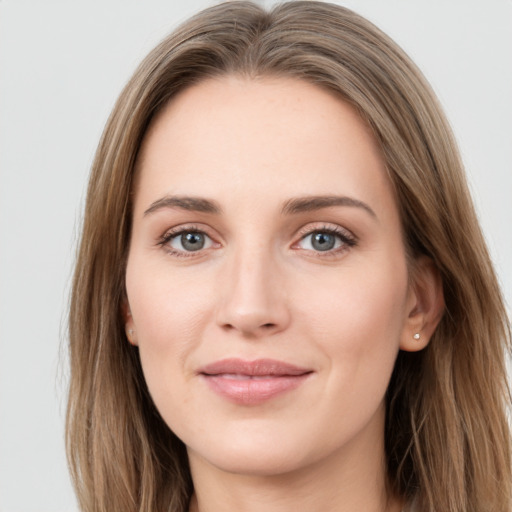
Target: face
(267,286)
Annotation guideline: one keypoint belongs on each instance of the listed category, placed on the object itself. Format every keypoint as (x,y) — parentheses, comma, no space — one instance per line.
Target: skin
(260,288)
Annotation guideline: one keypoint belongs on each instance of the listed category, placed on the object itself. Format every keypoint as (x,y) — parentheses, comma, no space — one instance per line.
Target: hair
(447,436)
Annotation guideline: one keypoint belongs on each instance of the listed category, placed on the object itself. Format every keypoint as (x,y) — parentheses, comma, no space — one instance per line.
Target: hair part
(447,437)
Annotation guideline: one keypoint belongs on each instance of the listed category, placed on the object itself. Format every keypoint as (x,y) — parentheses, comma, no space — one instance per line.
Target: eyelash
(348,240)
(176,232)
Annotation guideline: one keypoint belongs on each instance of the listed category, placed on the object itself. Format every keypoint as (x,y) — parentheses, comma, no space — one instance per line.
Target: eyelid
(312,227)
(347,238)
(171,233)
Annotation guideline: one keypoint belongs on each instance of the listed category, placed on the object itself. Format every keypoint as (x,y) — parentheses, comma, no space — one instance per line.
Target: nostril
(268,326)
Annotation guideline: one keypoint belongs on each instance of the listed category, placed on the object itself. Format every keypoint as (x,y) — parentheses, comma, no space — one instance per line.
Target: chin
(255,452)
(251,462)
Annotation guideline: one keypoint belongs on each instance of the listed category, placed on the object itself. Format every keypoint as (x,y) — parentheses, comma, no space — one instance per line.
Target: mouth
(252,382)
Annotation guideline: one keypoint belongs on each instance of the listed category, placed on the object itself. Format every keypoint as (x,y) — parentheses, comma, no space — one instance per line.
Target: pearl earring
(417,336)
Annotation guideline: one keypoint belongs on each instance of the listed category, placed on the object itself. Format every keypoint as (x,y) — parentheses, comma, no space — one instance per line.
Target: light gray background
(62,64)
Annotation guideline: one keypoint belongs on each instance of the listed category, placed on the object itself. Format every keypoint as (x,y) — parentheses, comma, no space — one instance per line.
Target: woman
(282,298)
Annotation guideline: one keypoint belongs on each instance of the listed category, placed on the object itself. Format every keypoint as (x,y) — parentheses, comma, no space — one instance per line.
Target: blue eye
(190,241)
(325,240)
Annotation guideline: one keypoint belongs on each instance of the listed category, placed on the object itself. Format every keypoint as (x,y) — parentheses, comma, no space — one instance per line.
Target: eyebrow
(311,203)
(290,207)
(196,204)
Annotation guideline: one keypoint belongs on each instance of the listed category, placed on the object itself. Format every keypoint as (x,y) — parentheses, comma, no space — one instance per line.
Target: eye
(326,240)
(320,241)
(185,241)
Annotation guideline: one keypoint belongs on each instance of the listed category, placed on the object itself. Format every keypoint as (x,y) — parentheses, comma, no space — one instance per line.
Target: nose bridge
(253,299)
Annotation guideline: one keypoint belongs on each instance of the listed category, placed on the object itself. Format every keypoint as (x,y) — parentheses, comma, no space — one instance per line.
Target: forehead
(259,138)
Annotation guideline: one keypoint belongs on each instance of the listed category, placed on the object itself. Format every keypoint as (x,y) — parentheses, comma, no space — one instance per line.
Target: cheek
(168,312)
(356,321)
(164,304)
(358,315)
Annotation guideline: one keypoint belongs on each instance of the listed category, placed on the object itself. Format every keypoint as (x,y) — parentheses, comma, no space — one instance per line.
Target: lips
(252,382)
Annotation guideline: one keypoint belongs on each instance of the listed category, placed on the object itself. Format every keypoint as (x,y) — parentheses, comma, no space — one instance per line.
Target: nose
(253,296)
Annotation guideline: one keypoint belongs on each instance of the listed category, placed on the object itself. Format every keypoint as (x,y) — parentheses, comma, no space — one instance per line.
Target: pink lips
(252,382)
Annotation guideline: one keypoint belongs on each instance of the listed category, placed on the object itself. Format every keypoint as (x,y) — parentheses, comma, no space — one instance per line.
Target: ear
(425,305)
(129,325)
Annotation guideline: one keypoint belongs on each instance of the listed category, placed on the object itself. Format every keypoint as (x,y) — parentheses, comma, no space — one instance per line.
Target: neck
(349,480)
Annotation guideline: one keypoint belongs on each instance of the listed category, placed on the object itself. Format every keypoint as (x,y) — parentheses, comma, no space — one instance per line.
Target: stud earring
(417,336)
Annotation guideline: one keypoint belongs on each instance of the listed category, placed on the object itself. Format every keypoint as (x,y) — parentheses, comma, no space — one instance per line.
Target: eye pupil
(323,241)
(192,241)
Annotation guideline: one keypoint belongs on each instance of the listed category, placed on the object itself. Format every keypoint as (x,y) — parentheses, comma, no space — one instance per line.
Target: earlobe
(131,336)
(425,305)
(129,326)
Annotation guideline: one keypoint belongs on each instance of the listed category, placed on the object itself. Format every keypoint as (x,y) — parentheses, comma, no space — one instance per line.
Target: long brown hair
(447,436)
